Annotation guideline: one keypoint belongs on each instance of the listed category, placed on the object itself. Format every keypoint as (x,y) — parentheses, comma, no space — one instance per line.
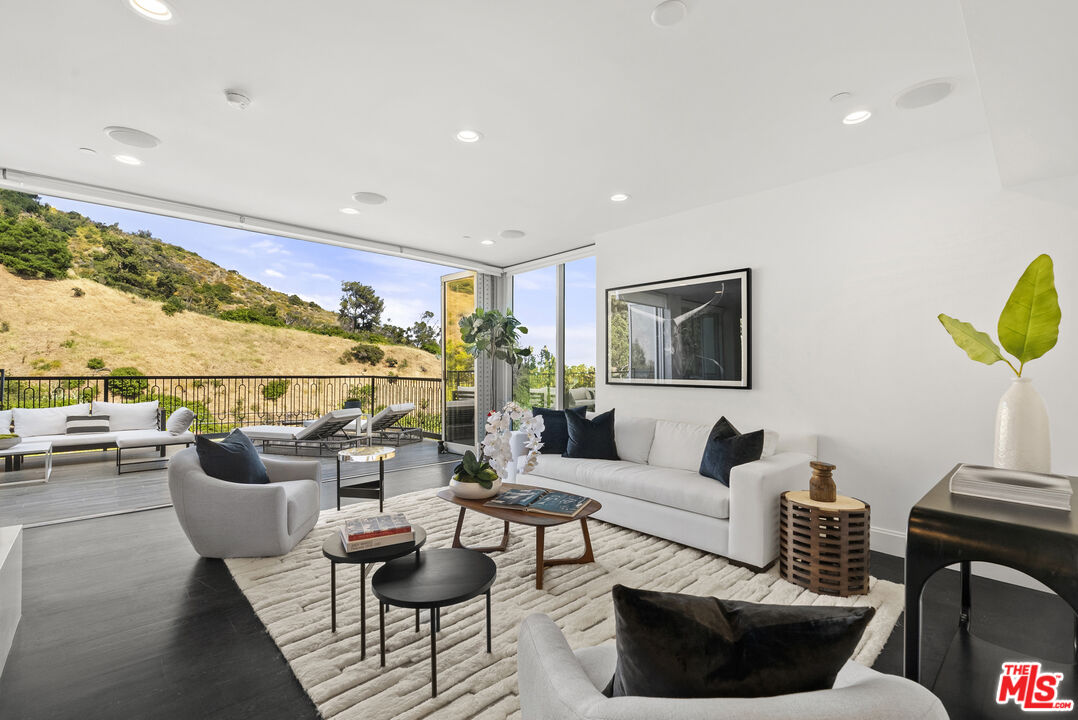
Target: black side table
(945,529)
(433,580)
(333,550)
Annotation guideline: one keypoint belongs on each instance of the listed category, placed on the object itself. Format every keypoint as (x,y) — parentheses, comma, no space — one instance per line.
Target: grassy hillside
(45,329)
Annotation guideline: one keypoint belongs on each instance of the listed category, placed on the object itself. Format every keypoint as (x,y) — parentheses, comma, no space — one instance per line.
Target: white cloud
(319,276)
(404,311)
(267,246)
(270,272)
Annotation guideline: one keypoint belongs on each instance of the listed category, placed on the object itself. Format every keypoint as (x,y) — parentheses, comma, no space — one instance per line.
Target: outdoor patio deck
(85,484)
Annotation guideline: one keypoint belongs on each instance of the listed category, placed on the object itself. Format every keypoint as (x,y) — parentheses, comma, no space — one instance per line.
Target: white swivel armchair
(225,519)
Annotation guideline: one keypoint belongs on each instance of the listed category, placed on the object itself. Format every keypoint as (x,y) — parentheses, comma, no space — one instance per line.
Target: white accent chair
(557,683)
(226,519)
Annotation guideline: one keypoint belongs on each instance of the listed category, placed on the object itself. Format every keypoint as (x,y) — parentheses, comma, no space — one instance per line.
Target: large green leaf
(1029,323)
(977,344)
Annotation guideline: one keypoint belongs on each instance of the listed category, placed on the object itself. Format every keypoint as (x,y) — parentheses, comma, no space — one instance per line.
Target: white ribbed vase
(1023,441)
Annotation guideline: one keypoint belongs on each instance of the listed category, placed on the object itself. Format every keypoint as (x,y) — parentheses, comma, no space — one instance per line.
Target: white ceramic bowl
(474,491)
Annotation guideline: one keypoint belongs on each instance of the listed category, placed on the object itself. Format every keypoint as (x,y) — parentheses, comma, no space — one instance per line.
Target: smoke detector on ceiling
(131,137)
(237,99)
(925,93)
(669,13)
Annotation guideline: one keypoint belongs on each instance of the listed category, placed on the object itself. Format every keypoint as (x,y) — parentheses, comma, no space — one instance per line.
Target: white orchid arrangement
(496,446)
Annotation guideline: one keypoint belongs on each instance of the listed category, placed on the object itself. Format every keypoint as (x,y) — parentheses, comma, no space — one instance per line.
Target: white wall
(849,271)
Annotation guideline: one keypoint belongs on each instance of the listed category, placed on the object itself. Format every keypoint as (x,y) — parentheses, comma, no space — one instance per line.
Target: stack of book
(1026,488)
(375,532)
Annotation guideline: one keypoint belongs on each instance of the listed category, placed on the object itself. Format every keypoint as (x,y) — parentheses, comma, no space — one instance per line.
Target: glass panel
(580,333)
(458,300)
(535,304)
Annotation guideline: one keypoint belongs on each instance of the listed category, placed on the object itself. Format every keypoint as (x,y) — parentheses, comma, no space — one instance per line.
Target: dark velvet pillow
(592,439)
(682,646)
(555,428)
(233,459)
(726,447)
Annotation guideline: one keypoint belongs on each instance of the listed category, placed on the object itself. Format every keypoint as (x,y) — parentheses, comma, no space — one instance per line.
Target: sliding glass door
(458,367)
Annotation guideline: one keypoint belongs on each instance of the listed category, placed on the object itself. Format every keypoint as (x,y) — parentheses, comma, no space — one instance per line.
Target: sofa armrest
(553,684)
(280,470)
(755,488)
(224,519)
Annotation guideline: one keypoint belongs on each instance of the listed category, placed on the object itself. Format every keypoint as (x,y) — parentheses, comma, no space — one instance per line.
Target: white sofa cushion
(681,489)
(180,420)
(128,416)
(678,445)
(60,442)
(633,437)
(31,422)
(5,422)
(151,438)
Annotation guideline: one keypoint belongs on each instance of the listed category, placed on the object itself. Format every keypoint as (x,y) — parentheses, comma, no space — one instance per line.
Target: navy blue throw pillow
(233,459)
(555,434)
(592,439)
(726,447)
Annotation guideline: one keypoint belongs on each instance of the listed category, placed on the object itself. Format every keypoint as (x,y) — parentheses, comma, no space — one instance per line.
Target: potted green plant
(496,335)
(474,479)
(1028,328)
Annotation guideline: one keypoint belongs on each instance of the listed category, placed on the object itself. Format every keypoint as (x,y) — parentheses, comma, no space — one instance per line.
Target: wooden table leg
(587,557)
(493,548)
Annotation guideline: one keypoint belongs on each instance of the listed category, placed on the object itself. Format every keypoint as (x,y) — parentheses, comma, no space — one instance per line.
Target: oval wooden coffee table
(539,521)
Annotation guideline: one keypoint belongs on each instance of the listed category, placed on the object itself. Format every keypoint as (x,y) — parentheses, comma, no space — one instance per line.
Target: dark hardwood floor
(122,620)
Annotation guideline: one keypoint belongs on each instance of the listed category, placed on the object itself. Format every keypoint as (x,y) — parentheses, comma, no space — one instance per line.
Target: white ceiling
(576,100)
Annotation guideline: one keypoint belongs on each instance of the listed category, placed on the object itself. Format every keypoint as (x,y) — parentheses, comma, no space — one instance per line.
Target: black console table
(946,529)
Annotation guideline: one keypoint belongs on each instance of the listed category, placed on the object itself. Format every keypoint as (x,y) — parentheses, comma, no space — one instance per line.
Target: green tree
(30,248)
(361,308)
(127,382)
(424,334)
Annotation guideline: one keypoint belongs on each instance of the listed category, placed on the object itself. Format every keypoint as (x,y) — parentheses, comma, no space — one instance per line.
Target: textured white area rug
(290,594)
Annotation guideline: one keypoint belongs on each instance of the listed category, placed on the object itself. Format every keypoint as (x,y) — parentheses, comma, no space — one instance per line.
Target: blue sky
(315,271)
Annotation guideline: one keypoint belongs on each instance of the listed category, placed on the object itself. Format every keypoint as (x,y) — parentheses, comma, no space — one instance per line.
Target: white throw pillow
(180,419)
(633,437)
(678,445)
(5,422)
(771,443)
(128,416)
(31,422)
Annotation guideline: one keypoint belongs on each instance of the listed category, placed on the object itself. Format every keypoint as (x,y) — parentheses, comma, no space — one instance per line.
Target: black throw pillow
(592,439)
(726,447)
(233,459)
(555,435)
(682,646)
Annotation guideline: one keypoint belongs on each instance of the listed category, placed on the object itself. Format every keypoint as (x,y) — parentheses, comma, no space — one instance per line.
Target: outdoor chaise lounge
(383,426)
(325,433)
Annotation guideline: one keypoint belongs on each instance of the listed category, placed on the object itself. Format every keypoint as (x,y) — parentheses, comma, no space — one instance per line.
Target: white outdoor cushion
(633,437)
(315,429)
(5,422)
(681,489)
(678,445)
(180,419)
(151,438)
(128,416)
(59,442)
(31,422)
(270,432)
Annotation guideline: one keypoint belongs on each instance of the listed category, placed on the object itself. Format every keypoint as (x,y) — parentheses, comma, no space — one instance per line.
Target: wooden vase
(822,485)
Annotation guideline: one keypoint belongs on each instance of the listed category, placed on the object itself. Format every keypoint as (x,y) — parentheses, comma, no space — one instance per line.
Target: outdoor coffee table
(432,580)
(371,489)
(333,550)
(13,460)
(539,521)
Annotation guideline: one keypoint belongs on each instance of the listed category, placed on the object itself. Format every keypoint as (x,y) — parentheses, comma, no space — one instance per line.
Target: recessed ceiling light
(469,136)
(349,211)
(132,137)
(127,159)
(155,10)
(926,93)
(511,234)
(486,242)
(619,197)
(669,13)
(88,151)
(856,117)
(369,198)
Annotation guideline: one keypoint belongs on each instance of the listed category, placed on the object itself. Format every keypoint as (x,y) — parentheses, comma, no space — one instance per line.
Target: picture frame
(693,331)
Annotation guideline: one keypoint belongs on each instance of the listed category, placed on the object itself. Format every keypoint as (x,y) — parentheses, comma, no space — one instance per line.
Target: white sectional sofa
(656,487)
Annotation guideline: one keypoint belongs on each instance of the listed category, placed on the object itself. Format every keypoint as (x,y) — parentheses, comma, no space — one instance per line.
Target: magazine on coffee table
(548,502)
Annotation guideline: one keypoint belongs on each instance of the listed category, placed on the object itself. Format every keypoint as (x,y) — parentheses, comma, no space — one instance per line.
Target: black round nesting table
(333,550)
(432,580)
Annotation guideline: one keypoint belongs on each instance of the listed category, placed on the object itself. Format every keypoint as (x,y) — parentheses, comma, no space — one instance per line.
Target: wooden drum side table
(824,546)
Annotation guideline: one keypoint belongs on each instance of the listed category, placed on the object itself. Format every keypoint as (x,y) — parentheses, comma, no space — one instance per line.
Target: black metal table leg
(964,615)
(417,619)
(333,596)
(382,629)
(381,484)
(338,482)
(488,620)
(433,660)
(363,611)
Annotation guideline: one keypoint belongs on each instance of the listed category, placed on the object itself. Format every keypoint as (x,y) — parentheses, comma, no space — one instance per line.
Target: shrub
(45,365)
(363,353)
(172,306)
(392,362)
(124,387)
(432,347)
(77,291)
(30,248)
(88,394)
(95,363)
(275,388)
(4,327)
(69,343)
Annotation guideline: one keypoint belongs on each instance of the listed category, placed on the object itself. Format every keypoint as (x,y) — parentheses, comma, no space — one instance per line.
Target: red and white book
(376,542)
(377,526)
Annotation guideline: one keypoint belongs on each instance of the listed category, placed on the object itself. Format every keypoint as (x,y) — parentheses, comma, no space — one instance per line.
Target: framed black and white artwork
(687,332)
